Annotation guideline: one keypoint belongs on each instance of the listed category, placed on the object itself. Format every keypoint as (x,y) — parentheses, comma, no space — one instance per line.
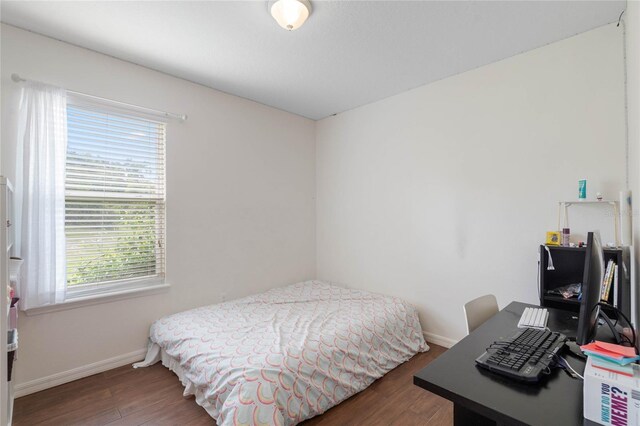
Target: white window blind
(115,199)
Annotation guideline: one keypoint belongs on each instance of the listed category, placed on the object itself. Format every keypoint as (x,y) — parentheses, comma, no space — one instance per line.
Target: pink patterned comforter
(290,353)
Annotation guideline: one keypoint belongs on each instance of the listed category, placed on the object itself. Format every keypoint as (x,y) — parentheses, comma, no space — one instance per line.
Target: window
(114,200)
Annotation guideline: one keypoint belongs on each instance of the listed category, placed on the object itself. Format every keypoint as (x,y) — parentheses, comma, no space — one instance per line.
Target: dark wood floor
(153,396)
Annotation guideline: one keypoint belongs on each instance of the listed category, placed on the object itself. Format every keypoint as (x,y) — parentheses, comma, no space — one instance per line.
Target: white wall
(240,199)
(444,193)
(632,26)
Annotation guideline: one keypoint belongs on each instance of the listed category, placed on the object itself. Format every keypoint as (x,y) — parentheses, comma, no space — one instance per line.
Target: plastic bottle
(565,237)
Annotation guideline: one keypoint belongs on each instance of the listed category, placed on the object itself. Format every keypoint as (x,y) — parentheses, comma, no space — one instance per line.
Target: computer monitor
(591,290)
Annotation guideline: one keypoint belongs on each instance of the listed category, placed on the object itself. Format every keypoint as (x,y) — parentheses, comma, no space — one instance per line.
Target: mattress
(288,354)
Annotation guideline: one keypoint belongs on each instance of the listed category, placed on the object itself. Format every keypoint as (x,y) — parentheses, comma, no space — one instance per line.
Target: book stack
(609,282)
(610,355)
(610,393)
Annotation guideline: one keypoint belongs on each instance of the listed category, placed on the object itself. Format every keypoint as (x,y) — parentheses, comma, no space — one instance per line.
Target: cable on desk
(558,360)
(619,313)
(565,365)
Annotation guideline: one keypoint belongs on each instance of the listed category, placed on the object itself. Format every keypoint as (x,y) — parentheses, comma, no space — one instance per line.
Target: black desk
(481,397)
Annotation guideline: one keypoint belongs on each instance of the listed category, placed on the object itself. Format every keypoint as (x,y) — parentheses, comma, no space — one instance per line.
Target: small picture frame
(553,238)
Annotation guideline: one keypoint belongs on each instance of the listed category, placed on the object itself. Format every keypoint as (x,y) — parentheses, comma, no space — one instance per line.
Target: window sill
(98,299)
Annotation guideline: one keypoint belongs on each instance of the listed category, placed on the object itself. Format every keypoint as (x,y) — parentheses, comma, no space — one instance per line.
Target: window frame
(82,294)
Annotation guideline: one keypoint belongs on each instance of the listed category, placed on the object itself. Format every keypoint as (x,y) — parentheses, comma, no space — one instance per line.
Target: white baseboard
(439,340)
(37,385)
(63,377)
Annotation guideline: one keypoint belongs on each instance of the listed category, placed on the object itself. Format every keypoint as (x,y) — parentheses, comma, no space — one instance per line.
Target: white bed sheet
(288,354)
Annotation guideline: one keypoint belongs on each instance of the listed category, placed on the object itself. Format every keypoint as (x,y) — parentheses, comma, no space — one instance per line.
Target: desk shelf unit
(568,265)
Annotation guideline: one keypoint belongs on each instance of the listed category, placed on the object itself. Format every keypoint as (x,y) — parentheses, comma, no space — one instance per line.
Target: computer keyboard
(525,356)
(534,318)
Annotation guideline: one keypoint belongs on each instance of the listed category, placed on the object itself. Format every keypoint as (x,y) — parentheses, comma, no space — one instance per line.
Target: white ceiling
(349,53)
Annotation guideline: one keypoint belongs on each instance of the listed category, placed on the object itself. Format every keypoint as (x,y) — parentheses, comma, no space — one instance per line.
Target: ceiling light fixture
(290,14)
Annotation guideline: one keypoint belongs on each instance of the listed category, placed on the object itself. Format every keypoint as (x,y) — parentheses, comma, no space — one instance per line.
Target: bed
(285,355)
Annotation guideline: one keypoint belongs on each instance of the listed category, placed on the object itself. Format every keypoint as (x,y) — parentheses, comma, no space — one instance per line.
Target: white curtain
(40,174)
